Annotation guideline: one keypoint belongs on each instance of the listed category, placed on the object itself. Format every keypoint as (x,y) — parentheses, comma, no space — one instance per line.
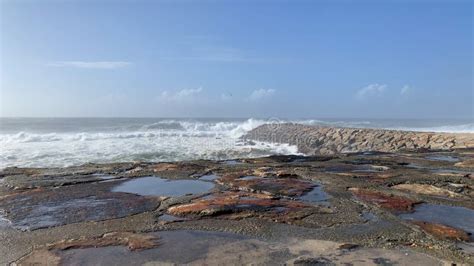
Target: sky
(288,59)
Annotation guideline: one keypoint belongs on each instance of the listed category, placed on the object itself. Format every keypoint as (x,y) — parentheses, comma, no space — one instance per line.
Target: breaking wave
(166,128)
(64,142)
(166,140)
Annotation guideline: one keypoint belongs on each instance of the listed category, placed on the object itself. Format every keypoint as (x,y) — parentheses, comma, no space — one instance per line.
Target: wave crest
(165,140)
(166,128)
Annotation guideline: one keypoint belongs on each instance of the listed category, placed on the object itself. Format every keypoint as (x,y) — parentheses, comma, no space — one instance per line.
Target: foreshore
(313,140)
(380,207)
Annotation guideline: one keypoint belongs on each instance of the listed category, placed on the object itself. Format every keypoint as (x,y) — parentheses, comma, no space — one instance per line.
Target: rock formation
(332,140)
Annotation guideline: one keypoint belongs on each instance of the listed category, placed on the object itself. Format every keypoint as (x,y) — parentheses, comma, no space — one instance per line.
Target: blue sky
(321,59)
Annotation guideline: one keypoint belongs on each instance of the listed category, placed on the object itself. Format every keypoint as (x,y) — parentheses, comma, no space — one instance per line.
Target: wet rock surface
(369,208)
(234,205)
(131,240)
(456,217)
(208,248)
(290,187)
(428,190)
(48,207)
(443,231)
(384,200)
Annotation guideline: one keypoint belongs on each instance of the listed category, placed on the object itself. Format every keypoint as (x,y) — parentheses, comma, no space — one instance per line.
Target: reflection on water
(156,186)
(210,177)
(249,177)
(458,217)
(217,248)
(169,218)
(52,214)
(176,247)
(316,195)
(369,217)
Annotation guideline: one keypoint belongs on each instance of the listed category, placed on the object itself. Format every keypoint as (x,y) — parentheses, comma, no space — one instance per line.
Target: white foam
(167,140)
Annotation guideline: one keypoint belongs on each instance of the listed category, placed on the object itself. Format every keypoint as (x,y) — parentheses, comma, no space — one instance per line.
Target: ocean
(59,142)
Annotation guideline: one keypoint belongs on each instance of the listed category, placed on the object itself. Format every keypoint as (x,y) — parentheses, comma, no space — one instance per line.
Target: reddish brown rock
(242,204)
(442,231)
(48,256)
(386,201)
(132,240)
(178,169)
(289,187)
(165,167)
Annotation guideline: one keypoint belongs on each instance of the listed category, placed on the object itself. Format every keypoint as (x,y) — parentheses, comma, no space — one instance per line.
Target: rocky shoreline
(375,208)
(313,140)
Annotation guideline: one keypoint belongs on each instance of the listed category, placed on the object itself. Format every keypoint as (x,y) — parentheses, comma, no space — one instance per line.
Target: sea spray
(47,142)
(135,140)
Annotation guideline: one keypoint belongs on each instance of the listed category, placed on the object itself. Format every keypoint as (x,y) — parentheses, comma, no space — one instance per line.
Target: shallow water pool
(316,195)
(156,186)
(458,217)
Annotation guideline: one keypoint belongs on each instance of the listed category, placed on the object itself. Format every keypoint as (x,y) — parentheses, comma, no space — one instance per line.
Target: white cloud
(226,96)
(90,64)
(181,94)
(404,90)
(371,90)
(188,92)
(261,94)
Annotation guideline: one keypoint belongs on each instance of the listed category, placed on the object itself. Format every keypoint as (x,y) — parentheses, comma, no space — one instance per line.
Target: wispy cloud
(188,92)
(180,95)
(404,90)
(213,53)
(90,64)
(226,96)
(261,94)
(371,90)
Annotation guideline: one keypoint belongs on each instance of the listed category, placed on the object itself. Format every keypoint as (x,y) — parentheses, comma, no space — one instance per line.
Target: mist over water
(47,142)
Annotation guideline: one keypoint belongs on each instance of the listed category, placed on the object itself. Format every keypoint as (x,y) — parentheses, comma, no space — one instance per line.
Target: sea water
(59,142)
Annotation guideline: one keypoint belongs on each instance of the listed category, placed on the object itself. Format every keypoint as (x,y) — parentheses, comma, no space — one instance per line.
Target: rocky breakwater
(332,140)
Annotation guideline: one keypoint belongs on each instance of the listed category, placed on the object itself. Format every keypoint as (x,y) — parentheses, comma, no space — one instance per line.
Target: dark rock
(321,261)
